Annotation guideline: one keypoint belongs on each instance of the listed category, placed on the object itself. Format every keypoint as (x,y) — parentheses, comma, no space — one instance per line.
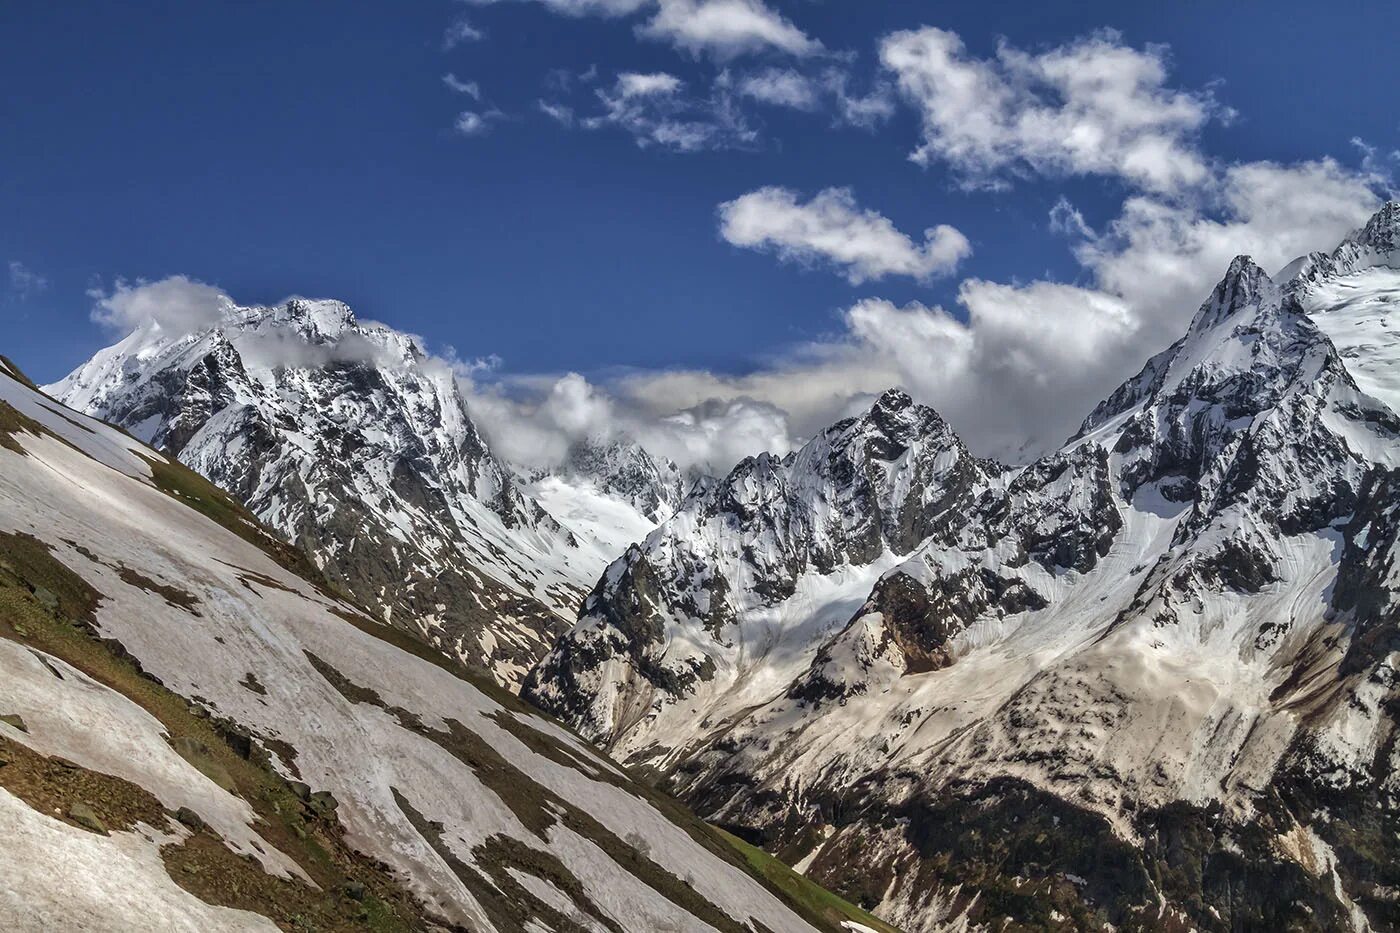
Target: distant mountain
(1145,682)
(610,492)
(347,440)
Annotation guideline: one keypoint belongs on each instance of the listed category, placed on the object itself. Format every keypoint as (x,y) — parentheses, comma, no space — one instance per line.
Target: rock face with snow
(351,443)
(736,591)
(1147,682)
(193,737)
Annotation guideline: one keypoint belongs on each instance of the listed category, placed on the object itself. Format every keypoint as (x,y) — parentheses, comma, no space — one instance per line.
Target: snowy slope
(609,494)
(1147,681)
(344,438)
(487,815)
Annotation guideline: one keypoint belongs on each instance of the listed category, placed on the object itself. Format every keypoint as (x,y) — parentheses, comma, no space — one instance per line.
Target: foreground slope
(348,441)
(194,737)
(1147,682)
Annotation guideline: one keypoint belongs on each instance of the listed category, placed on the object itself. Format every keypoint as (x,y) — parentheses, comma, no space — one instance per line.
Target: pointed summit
(893,399)
(1245,286)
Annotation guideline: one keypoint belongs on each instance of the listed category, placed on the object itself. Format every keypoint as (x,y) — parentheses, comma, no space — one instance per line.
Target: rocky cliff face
(1146,682)
(349,441)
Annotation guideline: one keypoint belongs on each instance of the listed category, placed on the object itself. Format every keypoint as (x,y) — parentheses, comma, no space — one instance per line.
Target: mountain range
(1144,682)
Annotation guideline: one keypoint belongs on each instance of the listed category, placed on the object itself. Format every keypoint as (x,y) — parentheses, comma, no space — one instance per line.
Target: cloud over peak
(177,304)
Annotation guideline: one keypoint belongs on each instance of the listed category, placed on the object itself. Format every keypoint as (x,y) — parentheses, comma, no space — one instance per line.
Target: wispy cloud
(460,31)
(24,281)
(473,123)
(655,110)
(458,86)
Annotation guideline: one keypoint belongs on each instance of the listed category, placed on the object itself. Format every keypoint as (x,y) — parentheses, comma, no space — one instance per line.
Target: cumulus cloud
(1090,107)
(827,89)
(177,304)
(726,28)
(533,422)
(24,281)
(631,84)
(832,228)
(559,113)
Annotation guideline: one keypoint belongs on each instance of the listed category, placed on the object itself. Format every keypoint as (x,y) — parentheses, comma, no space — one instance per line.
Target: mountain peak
(1382,231)
(1245,286)
(893,399)
(323,318)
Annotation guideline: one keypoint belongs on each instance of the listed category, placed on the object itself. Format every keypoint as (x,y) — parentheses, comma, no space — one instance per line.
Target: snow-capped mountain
(612,493)
(1147,682)
(730,598)
(195,738)
(349,441)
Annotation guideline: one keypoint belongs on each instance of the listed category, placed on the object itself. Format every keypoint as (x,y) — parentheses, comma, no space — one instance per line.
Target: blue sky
(318,149)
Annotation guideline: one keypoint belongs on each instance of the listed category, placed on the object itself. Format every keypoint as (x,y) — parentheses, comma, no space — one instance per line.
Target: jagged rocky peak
(1245,289)
(624,469)
(737,590)
(1382,231)
(1375,244)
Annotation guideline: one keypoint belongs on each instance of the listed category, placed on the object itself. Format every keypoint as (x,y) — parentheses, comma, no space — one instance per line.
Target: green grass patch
(814,898)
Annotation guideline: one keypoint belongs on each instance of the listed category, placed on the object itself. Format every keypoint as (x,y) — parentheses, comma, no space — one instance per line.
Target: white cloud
(177,304)
(1065,218)
(1019,365)
(586,7)
(631,84)
(560,113)
(652,109)
(832,228)
(533,422)
(781,87)
(726,28)
(1380,165)
(473,123)
(461,31)
(1090,107)
(24,281)
(455,84)
(723,29)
